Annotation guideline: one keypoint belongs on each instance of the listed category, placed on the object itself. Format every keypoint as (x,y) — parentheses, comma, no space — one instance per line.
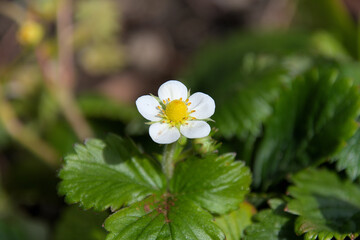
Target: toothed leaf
(217,183)
(272,224)
(327,206)
(163,217)
(234,223)
(110,173)
(348,158)
(311,121)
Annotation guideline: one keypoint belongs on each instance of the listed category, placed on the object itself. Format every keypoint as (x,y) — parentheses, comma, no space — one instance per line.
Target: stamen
(164,101)
(189,103)
(187,100)
(181,99)
(192,111)
(168,99)
(158,107)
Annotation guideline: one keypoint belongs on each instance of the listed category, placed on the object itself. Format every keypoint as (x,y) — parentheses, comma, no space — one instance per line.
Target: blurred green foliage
(234,223)
(332,16)
(326,205)
(311,121)
(95,34)
(76,223)
(286,101)
(272,224)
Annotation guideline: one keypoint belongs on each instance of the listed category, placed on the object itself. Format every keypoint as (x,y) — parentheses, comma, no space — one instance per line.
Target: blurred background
(70,70)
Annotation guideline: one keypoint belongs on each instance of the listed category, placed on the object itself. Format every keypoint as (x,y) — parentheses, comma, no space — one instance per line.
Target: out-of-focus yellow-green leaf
(234,223)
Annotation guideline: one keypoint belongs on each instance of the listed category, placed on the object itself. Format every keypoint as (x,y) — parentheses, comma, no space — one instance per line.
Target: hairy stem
(168,162)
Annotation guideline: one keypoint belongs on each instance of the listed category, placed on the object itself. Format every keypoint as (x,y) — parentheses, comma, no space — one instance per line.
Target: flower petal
(172,89)
(195,129)
(163,133)
(203,105)
(147,106)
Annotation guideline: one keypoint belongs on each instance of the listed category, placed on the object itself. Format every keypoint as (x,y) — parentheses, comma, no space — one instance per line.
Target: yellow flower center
(176,111)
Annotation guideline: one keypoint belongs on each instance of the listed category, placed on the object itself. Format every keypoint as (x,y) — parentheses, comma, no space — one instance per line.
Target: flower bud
(205,145)
(30,33)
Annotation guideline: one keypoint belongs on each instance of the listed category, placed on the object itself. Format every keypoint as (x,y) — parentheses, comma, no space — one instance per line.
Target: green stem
(168,162)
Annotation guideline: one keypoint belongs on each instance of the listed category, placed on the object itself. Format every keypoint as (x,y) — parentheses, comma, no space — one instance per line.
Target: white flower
(175,112)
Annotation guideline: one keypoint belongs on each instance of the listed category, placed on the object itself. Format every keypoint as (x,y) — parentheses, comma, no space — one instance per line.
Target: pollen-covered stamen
(162,112)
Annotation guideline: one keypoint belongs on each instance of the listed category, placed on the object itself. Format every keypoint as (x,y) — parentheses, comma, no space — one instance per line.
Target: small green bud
(205,145)
(182,141)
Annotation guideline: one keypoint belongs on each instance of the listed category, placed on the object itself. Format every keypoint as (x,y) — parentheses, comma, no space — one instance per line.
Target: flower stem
(168,162)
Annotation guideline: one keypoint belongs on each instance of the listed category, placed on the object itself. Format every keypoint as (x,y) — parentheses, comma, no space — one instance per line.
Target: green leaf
(327,206)
(326,44)
(164,217)
(349,157)
(77,224)
(110,173)
(216,183)
(272,224)
(351,70)
(257,88)
(311,121)
(234,223)
(252,70)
